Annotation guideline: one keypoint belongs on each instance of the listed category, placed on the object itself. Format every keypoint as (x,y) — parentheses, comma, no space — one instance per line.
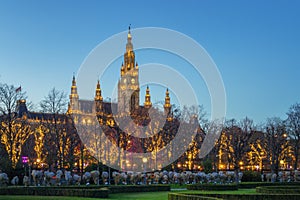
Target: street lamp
(145,160)
(25,162)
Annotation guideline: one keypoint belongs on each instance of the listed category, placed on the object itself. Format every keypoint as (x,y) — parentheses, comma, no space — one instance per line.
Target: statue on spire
(129,46)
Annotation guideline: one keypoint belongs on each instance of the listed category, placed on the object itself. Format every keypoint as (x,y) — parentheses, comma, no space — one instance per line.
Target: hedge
(137,188)
(179,196)
(55,191)
(212,187)
(279,190)
(256,196)
(251,176)
(81,191)
(249,185)
(243,185)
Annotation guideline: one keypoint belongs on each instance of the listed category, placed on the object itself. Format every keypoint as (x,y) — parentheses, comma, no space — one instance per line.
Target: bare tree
(293,128)
(275,141)
(14,129)
(55,104)
(237,144)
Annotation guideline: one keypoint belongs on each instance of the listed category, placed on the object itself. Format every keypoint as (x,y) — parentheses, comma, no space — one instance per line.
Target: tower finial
(129,46)
(73,81)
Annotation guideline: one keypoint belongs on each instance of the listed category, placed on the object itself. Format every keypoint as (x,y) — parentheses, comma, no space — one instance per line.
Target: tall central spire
(128,86)
(129,46)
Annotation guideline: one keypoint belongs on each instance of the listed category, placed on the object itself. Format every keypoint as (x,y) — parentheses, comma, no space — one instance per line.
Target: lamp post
(145,160)
(25,162)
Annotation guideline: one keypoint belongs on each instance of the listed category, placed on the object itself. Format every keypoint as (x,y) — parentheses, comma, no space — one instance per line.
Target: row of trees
(48,136)
(243,143)
(45,136)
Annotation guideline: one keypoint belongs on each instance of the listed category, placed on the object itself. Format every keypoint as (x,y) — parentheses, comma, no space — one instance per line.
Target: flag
(18,89)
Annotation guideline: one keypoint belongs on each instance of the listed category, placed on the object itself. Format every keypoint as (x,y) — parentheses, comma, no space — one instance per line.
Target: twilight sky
(255,45)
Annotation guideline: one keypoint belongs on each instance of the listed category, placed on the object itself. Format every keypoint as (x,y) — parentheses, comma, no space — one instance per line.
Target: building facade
(128,102)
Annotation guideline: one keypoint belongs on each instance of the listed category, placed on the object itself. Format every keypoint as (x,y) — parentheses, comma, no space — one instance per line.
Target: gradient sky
(255,44)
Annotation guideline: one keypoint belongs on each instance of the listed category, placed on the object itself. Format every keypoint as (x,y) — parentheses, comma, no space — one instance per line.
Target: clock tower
(128,85)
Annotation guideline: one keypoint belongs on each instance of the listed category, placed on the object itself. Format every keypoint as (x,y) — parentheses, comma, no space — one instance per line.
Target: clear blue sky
(255,44)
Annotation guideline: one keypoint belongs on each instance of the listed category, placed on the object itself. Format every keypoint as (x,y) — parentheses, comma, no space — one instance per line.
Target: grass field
(239,191)
(129,196)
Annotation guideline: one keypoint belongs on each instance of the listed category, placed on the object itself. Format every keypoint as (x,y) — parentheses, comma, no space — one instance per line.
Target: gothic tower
(128,85)
(73,106)
(98,99)
(167,106)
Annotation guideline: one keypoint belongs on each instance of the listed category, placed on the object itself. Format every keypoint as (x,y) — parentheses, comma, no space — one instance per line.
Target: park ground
(127,196)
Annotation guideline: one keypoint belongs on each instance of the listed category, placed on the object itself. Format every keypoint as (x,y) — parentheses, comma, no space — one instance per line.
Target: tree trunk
(236,173)
(296,157)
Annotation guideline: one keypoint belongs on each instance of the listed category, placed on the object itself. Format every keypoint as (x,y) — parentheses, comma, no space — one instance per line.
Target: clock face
(132,81)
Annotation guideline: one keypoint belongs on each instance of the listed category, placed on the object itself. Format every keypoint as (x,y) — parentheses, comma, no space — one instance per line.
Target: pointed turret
(98,99)
(147,103)
(98,95)
(69,108)
(74,87)
(167,106)
(73,97)
(122,70)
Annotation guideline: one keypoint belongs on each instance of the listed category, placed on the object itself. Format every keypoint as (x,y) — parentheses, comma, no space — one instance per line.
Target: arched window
(132,102)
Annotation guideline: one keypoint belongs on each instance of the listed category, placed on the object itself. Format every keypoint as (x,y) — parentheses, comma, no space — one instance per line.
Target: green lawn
(239,191)
(127,196)
(130,196)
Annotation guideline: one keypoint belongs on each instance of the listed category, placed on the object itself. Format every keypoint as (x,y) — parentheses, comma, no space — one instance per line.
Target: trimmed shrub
(178,196)
(250,185)
(255,196)
(207,165)
(279,190)
(212,187)
(82,191)
(251,176)
(137,188)
(55,191)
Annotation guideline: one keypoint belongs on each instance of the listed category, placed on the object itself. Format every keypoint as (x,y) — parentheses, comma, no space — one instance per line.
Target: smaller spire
(74,87)
(98,95)
(73,96)
(69,111)
(98,85)
(147,103)
(167,100)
